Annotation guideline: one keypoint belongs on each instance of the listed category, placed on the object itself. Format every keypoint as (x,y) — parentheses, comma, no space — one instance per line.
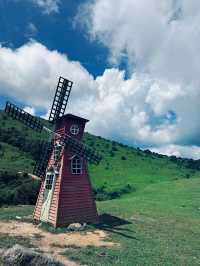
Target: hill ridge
(123,170)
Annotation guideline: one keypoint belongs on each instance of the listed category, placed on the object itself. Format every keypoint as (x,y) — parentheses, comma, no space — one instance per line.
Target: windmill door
(48,194)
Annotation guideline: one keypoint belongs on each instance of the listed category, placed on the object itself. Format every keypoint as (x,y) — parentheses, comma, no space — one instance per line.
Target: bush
(173,158)
(103,193)
(187,176)
(123,158)
(112,154)
(18,189)
(114,148)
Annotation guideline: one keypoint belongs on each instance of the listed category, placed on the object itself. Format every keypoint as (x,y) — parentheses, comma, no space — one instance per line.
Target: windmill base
(68,209)
(68,221)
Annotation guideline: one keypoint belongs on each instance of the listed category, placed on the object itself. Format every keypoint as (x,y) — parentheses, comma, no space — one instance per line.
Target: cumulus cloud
(160,41)
(29,110)
(47,6)
(136,110)
(179,151)
(29,74)
(148,33)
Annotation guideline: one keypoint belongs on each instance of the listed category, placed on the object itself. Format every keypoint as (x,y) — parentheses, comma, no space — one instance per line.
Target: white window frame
(49,180)
(76,165)
(57,151)
(74,129)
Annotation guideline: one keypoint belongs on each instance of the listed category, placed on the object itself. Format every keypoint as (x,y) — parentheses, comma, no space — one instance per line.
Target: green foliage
(7,241)
(11,212)
(158,225)
(121,165)
(106,193)
(17,189)
(163,228)
(112,154)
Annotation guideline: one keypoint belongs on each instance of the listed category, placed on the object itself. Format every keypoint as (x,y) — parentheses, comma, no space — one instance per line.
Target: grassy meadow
(158,226)
(151,201)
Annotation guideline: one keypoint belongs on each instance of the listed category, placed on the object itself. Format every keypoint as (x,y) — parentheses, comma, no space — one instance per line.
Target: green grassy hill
(157,196)
(122,172)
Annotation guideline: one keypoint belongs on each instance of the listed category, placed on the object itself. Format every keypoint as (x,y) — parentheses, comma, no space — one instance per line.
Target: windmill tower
(65,195)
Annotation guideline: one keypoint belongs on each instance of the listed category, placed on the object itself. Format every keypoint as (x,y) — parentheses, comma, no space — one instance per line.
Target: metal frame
(49,180)
(60,99)
(58,109)
(41,165)
(24,117)
(82,150)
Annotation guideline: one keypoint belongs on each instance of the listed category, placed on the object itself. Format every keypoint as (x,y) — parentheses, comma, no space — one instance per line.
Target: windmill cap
(74,117)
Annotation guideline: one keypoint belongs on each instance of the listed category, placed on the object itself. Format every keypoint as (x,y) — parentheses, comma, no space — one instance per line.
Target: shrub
(104,193)
(112,154)
(187,176)
(114,148)
(107,146)
(173,158)
(17,189)
(123,158)
(91,144)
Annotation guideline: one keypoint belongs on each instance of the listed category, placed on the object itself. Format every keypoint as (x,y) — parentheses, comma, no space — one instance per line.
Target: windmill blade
(24,117)
(82,150)
(41,165)
(60,99)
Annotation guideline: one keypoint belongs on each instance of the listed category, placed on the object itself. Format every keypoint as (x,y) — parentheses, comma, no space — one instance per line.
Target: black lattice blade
(24,117)
(41,165)
(82,150)
(60,99)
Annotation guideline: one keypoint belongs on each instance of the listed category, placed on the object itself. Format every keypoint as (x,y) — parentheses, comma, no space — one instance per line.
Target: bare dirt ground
(54,244)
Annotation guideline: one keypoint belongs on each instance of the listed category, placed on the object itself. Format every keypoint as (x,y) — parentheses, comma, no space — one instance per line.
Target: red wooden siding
(76,202)
(38,207)
(72,199)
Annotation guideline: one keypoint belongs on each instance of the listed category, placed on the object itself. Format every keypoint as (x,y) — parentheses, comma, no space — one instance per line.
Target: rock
(21,256)
(75,227)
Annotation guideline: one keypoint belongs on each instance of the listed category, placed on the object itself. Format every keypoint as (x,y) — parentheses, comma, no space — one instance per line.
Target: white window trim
(57,151)
(76,168)
(50,176)
(74,129)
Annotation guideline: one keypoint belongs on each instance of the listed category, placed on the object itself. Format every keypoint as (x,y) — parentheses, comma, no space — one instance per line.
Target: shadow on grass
(112,224)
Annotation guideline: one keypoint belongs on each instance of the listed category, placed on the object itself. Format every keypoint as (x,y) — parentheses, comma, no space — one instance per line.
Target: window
(76,165)
(49,181)
(57,151)
(74,129)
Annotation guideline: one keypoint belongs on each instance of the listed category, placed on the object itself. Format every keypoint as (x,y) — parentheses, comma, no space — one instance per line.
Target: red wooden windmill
(65,195)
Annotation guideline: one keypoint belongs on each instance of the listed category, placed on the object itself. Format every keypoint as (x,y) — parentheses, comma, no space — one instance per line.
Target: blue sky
(56,31)
(135,72)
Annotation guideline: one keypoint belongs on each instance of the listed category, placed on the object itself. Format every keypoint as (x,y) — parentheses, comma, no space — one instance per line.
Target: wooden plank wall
(76,203)
(39,203)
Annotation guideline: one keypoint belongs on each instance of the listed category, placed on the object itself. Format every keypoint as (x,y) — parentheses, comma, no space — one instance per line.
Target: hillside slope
(159,217)
(121,165)
(158,225)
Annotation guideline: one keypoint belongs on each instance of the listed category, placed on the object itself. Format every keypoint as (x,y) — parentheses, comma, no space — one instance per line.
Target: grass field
(161,227)
(164,227)
(121,165)
(156,223)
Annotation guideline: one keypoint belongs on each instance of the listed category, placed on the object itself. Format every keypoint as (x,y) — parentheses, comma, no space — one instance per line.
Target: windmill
(65,194)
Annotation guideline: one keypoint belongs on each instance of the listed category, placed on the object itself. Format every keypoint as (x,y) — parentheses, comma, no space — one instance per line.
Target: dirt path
(54,244)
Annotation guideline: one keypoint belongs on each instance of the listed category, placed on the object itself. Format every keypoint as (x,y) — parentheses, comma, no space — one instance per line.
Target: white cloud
(29,110)
(146,32)
(136,110)
(160,40)
(179,151)
(30,73)
(47,6)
